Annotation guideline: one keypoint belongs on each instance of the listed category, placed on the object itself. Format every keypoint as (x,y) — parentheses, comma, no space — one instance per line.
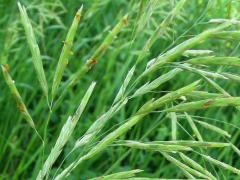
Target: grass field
(118,89)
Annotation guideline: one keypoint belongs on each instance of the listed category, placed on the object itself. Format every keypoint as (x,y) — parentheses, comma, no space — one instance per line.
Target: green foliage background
(21,150)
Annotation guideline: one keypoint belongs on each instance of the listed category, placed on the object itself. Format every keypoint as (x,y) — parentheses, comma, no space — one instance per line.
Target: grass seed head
(36,56)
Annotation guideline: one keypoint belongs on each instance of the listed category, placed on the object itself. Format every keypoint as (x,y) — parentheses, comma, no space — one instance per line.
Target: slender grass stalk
(204,95)
(193,53)
(213,128)
(20,104)
(183,166)
(174,125)
(187,174)
(119,175)
(188,143)
(201,72)
(228,61)
(172,96)
(66,52)
(231,76)
(196,166)
(235,149)
(65,134)
(156,83)
(231,35)
(216,86)
(154,147)
(121,92)
(203,104)
(221,164)
(36,56)
(194,127)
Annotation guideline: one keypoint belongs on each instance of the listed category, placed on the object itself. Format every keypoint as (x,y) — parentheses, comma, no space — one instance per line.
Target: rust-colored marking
(102,48)
(78,17)
(21,107)
(125,21)
(92,62)
(6,67)
(208,103)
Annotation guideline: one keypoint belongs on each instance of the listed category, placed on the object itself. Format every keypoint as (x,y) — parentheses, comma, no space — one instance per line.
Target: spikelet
(66,52)
(36,56)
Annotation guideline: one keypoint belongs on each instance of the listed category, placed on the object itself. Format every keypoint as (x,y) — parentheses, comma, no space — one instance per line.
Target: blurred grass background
(20,150)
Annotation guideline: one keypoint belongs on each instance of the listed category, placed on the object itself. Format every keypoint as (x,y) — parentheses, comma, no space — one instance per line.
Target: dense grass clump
(138,90)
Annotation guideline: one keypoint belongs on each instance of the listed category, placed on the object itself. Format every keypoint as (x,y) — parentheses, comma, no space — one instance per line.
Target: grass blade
(235,149)
(156,83)
(228,61)
(66,53)
(203,104)
(122,90)
(195,165)
(119,175)
(183,166)
(191,53)
(174,125)
(20,104)
(203,144)
(154,147)
(204,95)
(193,126)
(36,56)
(231,35)
(221,164)
(213,128)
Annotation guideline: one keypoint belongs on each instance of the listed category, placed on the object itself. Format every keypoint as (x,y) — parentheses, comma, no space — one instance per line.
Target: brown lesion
(125,21)
(6,67)
(91,62)
(78,17)
(16,95)
(208,103)
(102,48)
(21,107)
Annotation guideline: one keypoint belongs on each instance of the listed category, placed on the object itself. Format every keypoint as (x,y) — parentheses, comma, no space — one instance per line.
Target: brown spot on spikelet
(91,63)
(6,67)
(21,107)
(208,103)
(78,17)
(102,48)
(125,21)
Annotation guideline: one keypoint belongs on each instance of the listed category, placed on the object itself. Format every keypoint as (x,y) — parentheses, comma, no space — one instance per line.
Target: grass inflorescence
(164,79)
